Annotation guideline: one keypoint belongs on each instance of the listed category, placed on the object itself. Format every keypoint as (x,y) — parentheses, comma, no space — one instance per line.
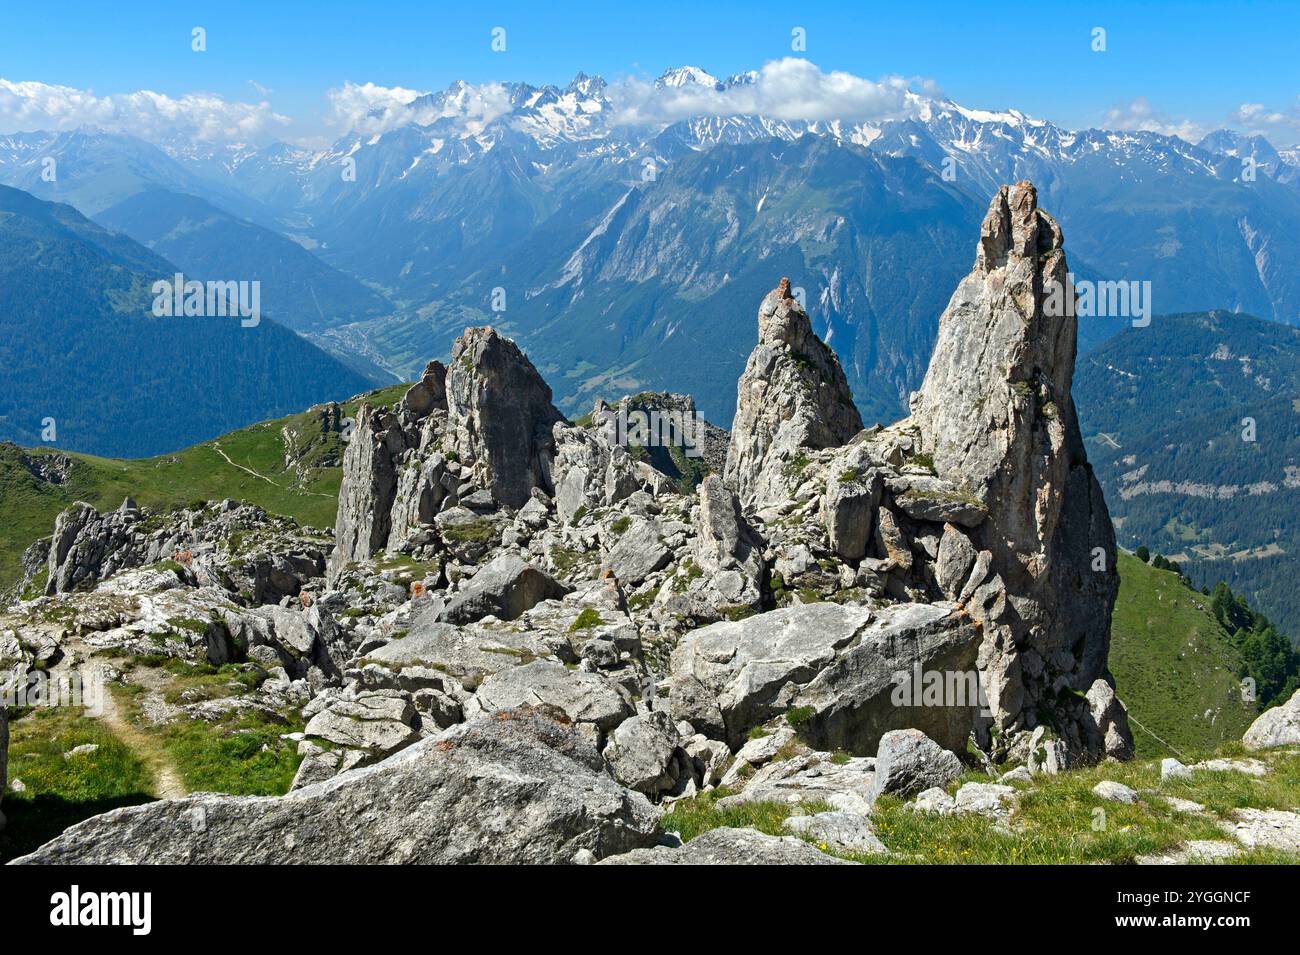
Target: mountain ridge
(85,355)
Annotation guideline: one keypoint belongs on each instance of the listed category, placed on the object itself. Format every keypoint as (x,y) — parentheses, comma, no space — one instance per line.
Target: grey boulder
(838,668)
(639,552)
(583,697)
(1279,726)
(642,753)
(1115,792)
(841,831)
(468,654)
(380,722)
(909,762)
(849,509)
(505,588)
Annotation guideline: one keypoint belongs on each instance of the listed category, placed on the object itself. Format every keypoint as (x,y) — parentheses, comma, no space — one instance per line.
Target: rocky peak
(996,417)
(793,397)
(500,416)
(430,392)
(385,450)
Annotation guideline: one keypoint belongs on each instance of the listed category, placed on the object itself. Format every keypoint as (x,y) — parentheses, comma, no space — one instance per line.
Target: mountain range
(612,240)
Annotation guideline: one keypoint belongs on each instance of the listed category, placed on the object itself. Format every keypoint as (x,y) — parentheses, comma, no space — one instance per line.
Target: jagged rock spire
(792,396)
(490,413)
(500,412)
(996,415)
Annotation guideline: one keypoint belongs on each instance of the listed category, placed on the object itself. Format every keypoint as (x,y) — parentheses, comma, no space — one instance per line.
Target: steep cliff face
(996,416)
(387,471)
(501,416)
(792,397)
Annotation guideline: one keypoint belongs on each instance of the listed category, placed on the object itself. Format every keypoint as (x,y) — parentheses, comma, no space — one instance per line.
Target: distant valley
(1193,425)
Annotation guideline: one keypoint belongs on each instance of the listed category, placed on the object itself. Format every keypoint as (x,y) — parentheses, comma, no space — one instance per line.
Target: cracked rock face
(996,415)
(792,397)
(501,416)
(522,787)
(836,666)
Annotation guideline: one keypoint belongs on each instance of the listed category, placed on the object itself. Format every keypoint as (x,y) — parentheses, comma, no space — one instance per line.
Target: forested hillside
(1193,425)
(88,367)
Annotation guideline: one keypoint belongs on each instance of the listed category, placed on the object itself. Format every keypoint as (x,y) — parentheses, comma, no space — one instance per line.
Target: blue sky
(1195,62)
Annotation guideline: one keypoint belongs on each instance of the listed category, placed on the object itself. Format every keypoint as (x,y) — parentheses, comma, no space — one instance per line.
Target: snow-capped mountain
(617,209)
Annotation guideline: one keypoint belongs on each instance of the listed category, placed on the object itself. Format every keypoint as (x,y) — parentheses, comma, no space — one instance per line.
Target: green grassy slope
(1174,666)
(196,473)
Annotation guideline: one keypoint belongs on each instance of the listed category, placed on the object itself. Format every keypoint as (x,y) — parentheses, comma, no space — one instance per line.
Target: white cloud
(368,108)
(1280,127)
(28,105)
(1140,115)
(790,89)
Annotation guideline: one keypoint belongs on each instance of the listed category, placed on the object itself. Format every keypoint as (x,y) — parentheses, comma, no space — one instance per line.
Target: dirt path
(217,447)
(167,780)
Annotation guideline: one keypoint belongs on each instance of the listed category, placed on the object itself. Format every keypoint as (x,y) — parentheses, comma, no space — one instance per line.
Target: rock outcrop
(1279,726)
(237,547)
(792,398)
(504,588)
(391,451)
(909,762)
(471,437)
(996,417)
(369,486)
(88,545)
(522,787)
(833,670)
(501,416)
